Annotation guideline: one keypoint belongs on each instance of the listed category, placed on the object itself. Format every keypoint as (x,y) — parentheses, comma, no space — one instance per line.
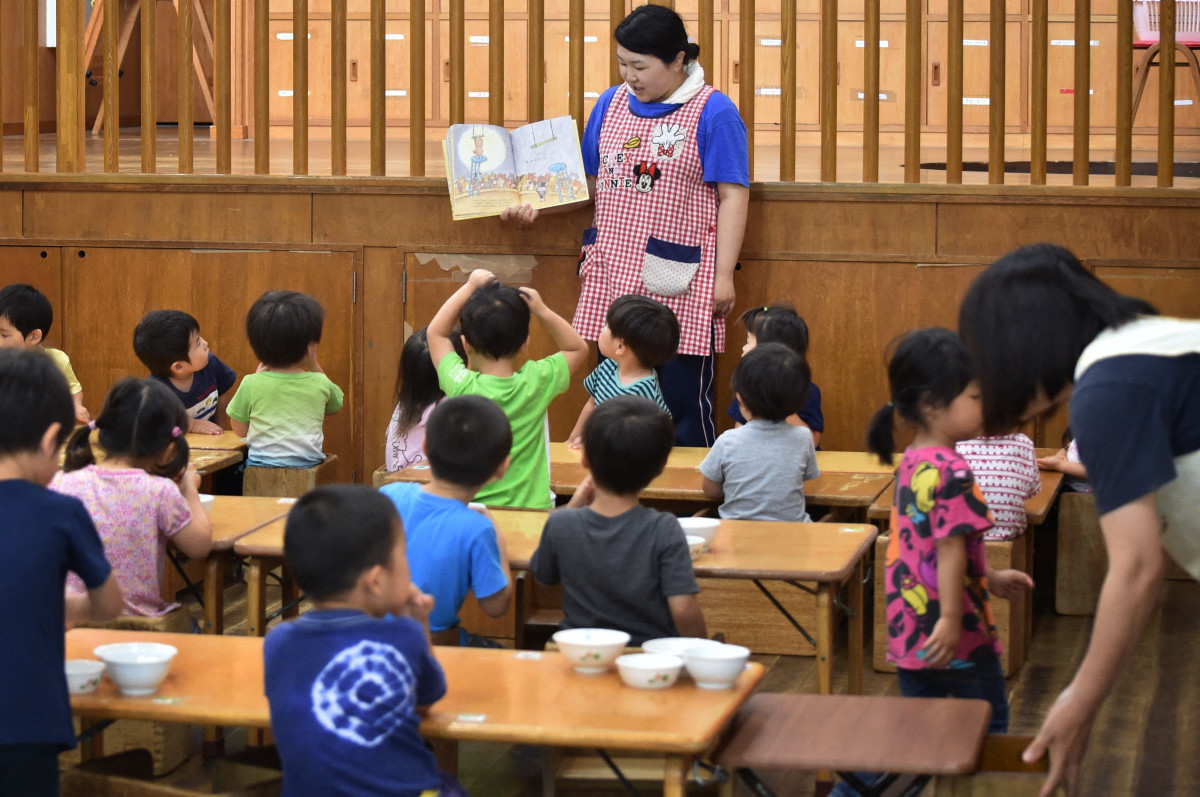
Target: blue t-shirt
(605,383)
(344,688)
(207,386)
(451,550)
(810,413)
(720,136)
(44,535)
(1132,416)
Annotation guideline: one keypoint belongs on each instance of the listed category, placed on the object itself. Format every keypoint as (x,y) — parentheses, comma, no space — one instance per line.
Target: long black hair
(1026,320)
(140,418)
(417,380)
(657,31)
(928,368)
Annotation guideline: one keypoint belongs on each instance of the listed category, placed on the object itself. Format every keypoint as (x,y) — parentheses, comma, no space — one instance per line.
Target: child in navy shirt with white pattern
(168,343)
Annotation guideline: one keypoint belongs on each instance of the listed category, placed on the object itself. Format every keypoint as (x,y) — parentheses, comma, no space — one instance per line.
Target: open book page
(549,163)
(479,170)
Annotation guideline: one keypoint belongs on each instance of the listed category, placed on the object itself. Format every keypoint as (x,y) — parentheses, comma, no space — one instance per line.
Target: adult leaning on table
(1042,330)
(668,164)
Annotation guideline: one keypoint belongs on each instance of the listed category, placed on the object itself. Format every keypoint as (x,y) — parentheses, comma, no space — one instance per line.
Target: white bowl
(695,545)
(705,527)
(137,668)
(206,501)
(591,650)
(649,670)
(676,645)
(715,666)
(83,675)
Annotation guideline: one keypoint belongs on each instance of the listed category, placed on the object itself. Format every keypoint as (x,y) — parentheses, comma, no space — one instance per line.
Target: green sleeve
(239,405)
(453,375)
(335,398)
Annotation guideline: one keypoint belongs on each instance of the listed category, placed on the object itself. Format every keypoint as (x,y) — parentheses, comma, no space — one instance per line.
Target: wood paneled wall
(862,264)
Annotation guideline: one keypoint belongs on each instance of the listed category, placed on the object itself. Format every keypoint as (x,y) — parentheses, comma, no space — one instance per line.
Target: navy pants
(688,386)
(30,770)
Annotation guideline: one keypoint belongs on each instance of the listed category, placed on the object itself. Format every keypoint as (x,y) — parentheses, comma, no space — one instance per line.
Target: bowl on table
(137,668)
(704,527)
(83,675)
(649,670)
(206,501)
(695,545)
(715,666)
(676,645)
(591,650)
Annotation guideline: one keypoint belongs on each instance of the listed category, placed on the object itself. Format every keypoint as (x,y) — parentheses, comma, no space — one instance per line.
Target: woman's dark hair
(140,418)
(336,533)
(466,439)
(929,368)
(772,381)
(657,31)
(1026,320)
(33,395)
(417,378)
(163,338)
(777,323)
(649,328)
(495,321)
(626,441)
(281,325)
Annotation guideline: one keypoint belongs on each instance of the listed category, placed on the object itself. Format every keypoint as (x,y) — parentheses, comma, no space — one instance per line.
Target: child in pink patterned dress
(1006,469)
(142,494)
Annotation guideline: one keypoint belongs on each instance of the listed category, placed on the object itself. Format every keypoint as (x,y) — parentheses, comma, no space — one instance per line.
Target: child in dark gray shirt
(622,565)
(759,469)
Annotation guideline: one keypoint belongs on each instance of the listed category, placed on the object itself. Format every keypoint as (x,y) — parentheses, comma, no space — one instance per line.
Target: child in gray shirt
(759,469)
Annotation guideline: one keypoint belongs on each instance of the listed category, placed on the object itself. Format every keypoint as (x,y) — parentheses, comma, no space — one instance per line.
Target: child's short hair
(139,419)
(335,533)
(281,325)
(33,395)
(626,441)
(26,308)
(495,321)
(777,323)
(466,439)
(163,338)
(647,327)
(772,380)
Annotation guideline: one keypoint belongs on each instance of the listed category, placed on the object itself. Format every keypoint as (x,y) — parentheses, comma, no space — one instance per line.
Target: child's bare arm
(688,616)
(194,539)
(97,605)
(573,347)
(81,413)
(438,333)
(240,429)
(712,489)
(496,604)
(1060,463)
(951,570)
(575,438)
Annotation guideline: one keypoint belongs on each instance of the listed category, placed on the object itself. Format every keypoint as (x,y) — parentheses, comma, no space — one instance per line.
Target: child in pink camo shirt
(1006,469)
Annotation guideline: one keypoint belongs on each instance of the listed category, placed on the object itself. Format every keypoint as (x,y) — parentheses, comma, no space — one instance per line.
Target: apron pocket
(589,241)
(668,269)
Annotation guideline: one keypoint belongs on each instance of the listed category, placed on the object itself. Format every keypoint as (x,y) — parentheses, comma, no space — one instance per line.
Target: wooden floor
(766,159)
(1144,742)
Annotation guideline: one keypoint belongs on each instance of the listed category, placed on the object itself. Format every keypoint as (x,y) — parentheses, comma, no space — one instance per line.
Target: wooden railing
(71,84)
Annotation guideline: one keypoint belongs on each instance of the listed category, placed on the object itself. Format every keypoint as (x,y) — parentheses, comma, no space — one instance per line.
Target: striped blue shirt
(605,383)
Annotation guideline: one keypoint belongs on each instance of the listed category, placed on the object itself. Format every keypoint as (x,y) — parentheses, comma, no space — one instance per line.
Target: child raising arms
(132,496)
(417,393)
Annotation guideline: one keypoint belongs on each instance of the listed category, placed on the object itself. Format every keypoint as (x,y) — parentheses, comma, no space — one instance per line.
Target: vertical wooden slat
(149,108)
(416,87)
(1166,94)
(69,54)
(575,63)
(1038,87)
(300,87)
(262,87)
(223,83)
(337,88)
(871,92)
(996,97)
(3,31)
(787,110)
(1083,85)
(616,13)
(496,62)
(32,83)
(1124,149)
(458,33)
(828,90)
(112,103)
(705,33)
(536,70)
(379,87)
(184,76)
(954,92)
(913,71)
(746,72)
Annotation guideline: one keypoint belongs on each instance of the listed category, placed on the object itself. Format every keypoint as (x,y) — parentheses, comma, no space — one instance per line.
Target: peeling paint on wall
(508,268)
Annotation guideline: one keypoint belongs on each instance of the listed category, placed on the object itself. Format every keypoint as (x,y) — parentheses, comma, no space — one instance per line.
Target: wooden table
(207,461)
(226,441)
(233,517)
(830,554)
(517,697)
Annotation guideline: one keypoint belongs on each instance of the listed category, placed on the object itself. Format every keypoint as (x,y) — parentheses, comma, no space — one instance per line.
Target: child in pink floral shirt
(132,496)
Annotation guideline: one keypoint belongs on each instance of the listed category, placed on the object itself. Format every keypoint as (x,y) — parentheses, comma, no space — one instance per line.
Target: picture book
(489,168)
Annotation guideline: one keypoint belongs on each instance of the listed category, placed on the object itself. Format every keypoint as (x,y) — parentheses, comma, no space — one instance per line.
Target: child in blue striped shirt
(639,335)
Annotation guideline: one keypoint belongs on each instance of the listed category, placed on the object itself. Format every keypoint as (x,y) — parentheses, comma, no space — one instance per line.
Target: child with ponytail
(941,634)
(142,494)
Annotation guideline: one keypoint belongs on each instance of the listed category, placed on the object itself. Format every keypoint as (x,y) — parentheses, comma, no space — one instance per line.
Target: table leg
(290,593)
(256,585)
(214,592)
(675,775)
(854,605)
(446,753)
(826,593)
(93,747)
(549,770)
(726,788)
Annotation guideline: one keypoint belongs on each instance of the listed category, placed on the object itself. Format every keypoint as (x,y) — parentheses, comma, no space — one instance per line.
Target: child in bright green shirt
(495,329)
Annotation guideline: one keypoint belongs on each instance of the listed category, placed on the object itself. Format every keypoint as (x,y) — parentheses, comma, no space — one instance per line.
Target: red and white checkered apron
(655,223)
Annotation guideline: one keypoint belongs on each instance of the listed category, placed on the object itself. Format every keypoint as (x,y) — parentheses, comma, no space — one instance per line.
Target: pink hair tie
(92,425)
(176,431)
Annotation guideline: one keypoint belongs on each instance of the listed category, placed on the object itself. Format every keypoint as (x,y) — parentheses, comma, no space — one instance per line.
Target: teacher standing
(667,160)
